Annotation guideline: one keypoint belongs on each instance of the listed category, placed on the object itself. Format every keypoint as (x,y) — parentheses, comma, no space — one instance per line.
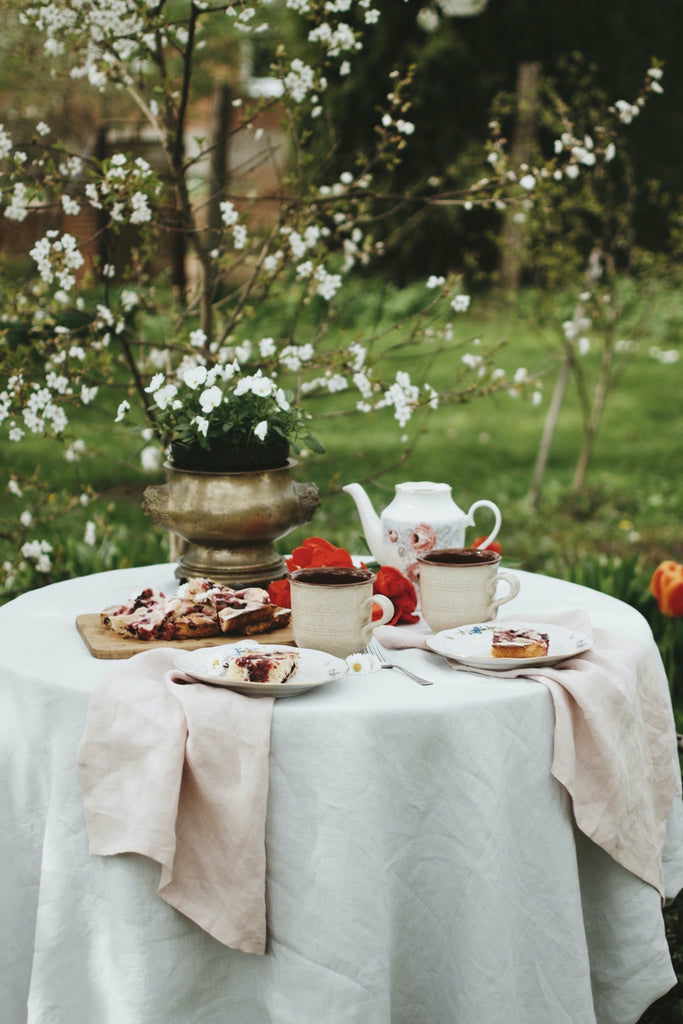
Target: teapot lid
(422,485)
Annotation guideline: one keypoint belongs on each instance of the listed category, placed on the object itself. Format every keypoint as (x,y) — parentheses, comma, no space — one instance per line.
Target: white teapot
(421,516)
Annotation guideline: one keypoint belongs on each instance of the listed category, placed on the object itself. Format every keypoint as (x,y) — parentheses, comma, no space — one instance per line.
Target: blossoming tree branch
(77,329)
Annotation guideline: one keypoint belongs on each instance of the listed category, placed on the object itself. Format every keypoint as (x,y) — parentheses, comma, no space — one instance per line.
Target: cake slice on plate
(261,667)
(519,643)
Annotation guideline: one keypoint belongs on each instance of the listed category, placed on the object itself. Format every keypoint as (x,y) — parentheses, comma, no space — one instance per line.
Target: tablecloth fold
(179,773)
(614,737)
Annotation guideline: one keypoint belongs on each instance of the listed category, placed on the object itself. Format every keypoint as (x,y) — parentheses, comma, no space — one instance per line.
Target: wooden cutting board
(104,643)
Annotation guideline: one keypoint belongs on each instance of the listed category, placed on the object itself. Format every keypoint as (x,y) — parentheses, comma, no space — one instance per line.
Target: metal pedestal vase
(230,521)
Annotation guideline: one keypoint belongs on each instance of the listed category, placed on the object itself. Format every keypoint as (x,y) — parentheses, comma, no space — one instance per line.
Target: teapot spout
(369,519)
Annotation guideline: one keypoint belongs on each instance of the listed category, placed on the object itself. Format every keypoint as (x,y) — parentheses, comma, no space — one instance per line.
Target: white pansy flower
(195,376)
(155,383)
(261,429)
(164,396)
(281,399)
(211,398)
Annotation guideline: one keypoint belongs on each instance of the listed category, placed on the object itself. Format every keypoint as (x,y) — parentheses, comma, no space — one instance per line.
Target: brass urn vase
(231,520)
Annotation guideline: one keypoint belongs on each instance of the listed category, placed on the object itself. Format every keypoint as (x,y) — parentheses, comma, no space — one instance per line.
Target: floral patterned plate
(471,645)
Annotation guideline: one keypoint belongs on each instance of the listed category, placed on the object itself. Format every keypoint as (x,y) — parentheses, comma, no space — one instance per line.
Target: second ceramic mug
(458,587)
(332,609)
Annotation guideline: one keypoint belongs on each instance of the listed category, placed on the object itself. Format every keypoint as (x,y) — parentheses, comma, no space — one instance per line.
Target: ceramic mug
(332,609)
(458,586)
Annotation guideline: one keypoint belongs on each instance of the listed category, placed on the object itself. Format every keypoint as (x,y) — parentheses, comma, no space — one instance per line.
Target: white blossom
(74,451)
(150,458)
(17,208)
(70,205)
(266,347)
(5,143)
(239,236)
(461,303)
(123,408)
(299,80)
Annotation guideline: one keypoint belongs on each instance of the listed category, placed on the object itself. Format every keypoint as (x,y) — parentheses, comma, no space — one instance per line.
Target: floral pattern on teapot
(418,540)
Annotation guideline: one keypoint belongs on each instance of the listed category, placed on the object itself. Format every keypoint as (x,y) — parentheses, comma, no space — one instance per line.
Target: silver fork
(374,649)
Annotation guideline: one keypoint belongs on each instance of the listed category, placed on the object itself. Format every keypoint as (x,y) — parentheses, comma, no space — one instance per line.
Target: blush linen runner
(614,739)
(179,774)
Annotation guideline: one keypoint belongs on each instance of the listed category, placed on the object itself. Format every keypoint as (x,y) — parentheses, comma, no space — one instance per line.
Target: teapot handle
(469,519)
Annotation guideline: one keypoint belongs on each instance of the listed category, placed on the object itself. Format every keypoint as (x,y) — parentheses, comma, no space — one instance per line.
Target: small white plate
(471,645)
(315,668)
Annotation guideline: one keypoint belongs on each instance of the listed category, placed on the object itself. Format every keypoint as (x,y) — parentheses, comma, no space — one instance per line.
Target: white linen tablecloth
(422,864)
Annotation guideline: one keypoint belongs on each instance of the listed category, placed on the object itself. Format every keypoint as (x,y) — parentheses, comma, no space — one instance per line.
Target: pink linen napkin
(179,773)
(614,738)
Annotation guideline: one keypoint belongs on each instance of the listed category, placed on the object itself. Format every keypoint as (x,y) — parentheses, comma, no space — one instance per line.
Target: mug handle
(387,614)
(513,584)
(469,519)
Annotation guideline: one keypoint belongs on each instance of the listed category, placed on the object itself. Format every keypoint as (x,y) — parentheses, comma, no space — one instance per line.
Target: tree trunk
(513,236)
(591,429)
(218,165)
(549,425)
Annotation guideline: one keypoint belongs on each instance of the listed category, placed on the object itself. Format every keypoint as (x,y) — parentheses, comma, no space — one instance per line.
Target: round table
(423,866)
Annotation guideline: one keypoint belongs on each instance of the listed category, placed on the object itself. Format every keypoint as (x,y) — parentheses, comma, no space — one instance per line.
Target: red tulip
(401,593)
(493,546)
(667,587)
(278,592)
(316,552)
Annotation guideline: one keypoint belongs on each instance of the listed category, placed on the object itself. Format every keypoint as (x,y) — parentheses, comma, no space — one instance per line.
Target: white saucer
(315,668)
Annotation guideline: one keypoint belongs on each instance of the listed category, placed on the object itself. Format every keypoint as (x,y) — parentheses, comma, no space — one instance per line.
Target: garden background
(581,448)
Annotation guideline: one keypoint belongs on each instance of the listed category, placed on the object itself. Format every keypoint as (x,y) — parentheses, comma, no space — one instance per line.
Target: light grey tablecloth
(422,865)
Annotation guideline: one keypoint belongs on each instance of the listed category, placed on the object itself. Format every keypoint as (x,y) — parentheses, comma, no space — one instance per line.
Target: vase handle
(155,504)
(308,501)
